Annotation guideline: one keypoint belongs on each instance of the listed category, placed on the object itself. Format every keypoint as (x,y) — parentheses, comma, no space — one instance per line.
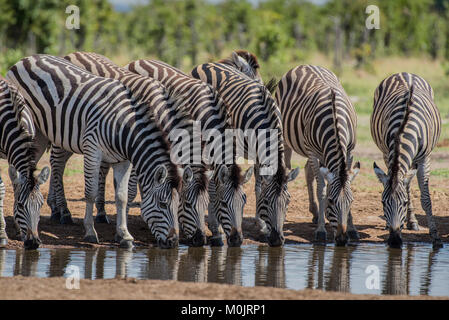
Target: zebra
(252,107)
(319,123)
(16,135)
(406,126)
(98,117)
(169,115)
(226,195)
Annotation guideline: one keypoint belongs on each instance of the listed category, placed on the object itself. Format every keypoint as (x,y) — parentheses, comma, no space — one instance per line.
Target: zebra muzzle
(395,239)
(235,238)
(275,239)
(171,241)
(198,239)
(341,237)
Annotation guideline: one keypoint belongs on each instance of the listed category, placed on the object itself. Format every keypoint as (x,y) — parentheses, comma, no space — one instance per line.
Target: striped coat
(253,111)
(319,123)
(204,104)
(405,126)
(97,117)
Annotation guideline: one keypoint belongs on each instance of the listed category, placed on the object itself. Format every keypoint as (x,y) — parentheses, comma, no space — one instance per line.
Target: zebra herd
(134,119)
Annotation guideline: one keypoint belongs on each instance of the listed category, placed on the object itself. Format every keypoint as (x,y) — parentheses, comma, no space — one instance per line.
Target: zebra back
(318,117)
(405,123)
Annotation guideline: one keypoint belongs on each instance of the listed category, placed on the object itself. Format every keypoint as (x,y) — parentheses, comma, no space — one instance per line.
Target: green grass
(442,173)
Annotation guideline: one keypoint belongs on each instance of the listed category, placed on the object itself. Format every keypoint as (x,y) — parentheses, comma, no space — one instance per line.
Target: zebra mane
(251,62)
(19,105)
(271,85)
(397,142)
(249,57)
(343,175)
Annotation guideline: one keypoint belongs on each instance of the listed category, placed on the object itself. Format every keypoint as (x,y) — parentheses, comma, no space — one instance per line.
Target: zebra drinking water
(253,109)
(406,126)
(319,123)
(16,135)
(98,117)
(167,110)
(226,195)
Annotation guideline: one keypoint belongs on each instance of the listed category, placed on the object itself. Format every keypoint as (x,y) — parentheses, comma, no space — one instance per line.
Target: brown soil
(298,228)
(55,289)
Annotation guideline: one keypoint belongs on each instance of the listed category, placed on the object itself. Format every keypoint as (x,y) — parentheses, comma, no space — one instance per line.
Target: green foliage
(8,58)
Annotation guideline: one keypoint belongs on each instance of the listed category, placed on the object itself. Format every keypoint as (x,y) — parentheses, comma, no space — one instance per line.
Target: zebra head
(339,200)
(193,204)
(228,199)
(272,203)
(28,201)
(395,202)
(160,203)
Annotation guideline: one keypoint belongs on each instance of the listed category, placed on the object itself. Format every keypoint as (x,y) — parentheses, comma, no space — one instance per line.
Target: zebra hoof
(413,226)
(126,244)
(437,243)
(56,217)
(102,218)
(66,219)
(320,236)
(216,242)
(3,242)
(91,239)
(353,235)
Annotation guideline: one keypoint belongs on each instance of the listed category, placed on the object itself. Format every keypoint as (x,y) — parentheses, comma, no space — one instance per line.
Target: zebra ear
(161,174)
(248,174)
(355,171)
(43,175)
(383,178)
(409,176)
(14,175)
(187,176)
(326,174)
(223,174)
(293,174)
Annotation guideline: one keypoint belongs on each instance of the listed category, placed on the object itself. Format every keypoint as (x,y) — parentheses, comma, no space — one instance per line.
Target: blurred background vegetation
(413,37)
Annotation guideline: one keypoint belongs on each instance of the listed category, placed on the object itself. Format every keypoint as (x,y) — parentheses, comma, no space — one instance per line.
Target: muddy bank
(116,289)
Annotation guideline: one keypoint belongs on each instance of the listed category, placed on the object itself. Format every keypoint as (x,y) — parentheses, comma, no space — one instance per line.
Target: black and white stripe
(170,117)
(16,134)
(204,104)
(406,126)
(319,123)
(252,108)
(98,117)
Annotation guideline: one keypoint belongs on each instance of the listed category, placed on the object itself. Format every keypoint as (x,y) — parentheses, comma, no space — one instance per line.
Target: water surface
(366,268)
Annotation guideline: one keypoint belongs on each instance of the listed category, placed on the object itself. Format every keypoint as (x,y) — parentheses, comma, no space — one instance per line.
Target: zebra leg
(122,171)
(132,187)
(101,216)
(257,188)
(426,203)
(56,197)
(352,231)
(3,235)
(310,179)
(92,163)
(288,156)
(320,232)
(212,222)
(412,222)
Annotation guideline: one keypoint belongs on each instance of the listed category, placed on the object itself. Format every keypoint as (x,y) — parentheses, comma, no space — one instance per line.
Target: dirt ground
(298,228)
(55,289)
